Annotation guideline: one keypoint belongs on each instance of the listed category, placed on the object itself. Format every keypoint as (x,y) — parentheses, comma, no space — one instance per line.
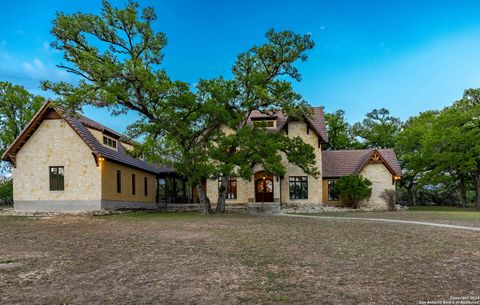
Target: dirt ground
(444,215)
(180,258)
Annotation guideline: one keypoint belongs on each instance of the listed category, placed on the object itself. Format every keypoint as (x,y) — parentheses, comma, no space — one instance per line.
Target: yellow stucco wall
(325,194)
(109,183)
(55,143)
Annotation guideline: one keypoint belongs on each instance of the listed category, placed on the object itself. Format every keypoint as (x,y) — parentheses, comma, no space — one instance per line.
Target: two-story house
(72,163)
(296,188)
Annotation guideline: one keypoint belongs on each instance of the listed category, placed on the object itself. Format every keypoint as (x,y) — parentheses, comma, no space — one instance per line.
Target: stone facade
(90,172)
(281,193)
(55,143)
(300,129)
(87,185)
(381,179)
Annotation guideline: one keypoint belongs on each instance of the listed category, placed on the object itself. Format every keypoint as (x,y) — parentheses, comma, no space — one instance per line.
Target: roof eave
(7,155)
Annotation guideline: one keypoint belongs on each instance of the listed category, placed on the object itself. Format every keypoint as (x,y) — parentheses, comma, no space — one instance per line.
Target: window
(231,188)
(298,187)
(145,183)
(109,142)
(267,123)
(119,181)
(133,184)
(332,195)
(57,178)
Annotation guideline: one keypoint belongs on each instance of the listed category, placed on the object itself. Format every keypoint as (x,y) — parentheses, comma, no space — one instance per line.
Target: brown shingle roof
(80,124)
(338,163)
(120,155)
(316,121)
(95,125)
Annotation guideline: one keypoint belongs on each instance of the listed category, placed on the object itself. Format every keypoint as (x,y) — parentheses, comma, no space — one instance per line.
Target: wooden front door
(264,190)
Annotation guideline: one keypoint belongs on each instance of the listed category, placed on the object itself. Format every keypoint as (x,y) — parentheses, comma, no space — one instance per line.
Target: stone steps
(265,208)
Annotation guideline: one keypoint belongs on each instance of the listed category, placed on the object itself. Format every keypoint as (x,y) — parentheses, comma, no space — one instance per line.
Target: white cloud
(29,72)
(47,49)
(35,68)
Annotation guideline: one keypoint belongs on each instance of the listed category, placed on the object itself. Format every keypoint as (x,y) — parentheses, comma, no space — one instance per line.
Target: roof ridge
(357,149)
(83,117)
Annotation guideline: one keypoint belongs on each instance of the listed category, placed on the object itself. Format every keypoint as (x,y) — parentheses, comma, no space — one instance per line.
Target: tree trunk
(463,193)
(222,195)
(204,202)
(410,194)
(477,188)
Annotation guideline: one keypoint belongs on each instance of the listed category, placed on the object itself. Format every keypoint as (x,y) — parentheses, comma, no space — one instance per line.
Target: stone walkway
(432,224)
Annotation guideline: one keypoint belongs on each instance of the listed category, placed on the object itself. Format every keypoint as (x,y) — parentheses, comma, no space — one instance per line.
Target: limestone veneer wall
(243,193)
(299,128)
(55,143)
(381,179)
(246,188)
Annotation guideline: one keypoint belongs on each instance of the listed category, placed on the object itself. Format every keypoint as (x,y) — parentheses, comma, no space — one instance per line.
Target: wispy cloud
(35,69)
(46,46)
(29,72)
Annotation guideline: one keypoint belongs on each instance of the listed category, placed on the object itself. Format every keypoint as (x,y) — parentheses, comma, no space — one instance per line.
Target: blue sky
(407,56)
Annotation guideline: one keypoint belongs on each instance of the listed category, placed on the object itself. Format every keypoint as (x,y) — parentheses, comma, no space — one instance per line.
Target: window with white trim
(107,141)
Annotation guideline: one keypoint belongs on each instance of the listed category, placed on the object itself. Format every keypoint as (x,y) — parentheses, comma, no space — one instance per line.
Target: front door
(264,190)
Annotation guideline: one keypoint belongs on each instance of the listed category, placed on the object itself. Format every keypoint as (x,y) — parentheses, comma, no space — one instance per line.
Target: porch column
(276,189)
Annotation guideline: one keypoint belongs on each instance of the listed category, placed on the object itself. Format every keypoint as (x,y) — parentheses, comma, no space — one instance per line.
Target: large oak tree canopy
(117,57)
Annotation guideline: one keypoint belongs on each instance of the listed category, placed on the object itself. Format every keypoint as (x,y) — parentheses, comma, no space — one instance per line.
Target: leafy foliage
(390,198)
(353,189)
(339,132)
(6,190)
(17,107)
(378,129)
(439,152)
(260,83)
(410,148)
(203,133)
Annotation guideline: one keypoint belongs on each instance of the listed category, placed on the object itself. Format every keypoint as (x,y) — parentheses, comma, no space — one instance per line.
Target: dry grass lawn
(175,258)
(438,214)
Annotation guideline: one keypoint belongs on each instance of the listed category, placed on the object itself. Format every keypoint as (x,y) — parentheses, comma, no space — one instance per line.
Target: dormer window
(107,141)
(267,123)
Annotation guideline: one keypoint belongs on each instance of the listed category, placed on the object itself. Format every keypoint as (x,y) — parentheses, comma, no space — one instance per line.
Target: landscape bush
(353,189)
(390,197)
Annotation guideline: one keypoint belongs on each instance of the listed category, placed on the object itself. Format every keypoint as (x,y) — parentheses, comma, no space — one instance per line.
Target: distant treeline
(439,150)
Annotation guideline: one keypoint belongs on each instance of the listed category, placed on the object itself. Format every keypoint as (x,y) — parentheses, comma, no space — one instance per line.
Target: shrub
(390,197)
(6,190)
(353,189)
